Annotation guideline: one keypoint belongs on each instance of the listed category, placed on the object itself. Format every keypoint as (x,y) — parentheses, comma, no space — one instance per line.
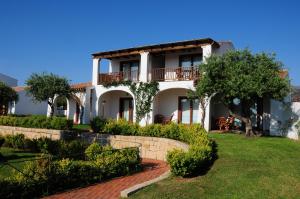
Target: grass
(82,127)
(265,167)
(15,158)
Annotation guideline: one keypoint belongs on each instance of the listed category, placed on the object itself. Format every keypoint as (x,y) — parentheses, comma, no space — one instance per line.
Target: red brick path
(111,189)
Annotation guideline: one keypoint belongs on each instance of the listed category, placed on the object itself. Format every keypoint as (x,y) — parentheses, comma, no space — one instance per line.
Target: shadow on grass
(16,157)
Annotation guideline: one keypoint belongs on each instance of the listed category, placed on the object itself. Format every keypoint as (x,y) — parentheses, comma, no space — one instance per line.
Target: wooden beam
(151,50)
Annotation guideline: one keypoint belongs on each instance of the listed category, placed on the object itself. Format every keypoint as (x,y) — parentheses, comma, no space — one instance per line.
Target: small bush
(48,176)
(201,153)
(2,140)
(121,127)
(97,124)
(95,150)
(15,141)
(37,121)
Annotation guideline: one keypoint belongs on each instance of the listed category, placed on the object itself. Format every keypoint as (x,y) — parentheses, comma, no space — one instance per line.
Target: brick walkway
(111,189)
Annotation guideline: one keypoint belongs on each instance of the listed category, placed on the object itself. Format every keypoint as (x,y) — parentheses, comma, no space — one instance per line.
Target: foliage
(95,150)
(7,95)
(245,76)
(97,124)
(37,121)
(2,140)
(201,153)
(144,93)
(121,127)
(46,176)
(44,87)
(297,126)
(15,141)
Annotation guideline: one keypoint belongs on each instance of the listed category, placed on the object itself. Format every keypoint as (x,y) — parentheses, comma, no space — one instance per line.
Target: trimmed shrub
(96,150)
(121,127)
(37,121)
(201,153)
(97,124)
(2,140)
(15,141)
(45,176)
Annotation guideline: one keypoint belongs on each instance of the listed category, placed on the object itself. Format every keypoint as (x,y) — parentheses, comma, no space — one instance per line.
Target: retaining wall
(150,147)
(31,133)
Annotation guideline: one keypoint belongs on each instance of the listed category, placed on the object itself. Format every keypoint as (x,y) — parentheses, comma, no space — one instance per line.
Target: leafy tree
(7,95)
(144,93)
(44,87)
(244,76)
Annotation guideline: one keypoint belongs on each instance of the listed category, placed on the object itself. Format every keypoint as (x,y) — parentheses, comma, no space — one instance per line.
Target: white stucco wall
(25,106)
(9,81)
(282,116)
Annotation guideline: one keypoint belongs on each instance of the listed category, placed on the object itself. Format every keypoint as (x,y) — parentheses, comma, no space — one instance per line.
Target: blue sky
(59,36)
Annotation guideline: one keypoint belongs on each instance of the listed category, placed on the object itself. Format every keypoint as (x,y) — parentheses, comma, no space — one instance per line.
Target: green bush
(97,124)
(46,176)
(201,153)
(2,140)
(121,127)
(96,150)
(37,121)
(71,149)
(15,141)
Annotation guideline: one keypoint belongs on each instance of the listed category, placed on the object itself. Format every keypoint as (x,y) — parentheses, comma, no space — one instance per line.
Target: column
(206,52)
(144,66)
(96,70)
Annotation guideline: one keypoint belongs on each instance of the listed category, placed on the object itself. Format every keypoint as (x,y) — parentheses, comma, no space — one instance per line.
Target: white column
(144,66)
(96,70)
(206,52)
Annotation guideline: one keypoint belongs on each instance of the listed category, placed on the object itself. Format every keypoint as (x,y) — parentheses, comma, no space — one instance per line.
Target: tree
(244,76)
(44,87)
(7,95)
(144,94)
(203,102)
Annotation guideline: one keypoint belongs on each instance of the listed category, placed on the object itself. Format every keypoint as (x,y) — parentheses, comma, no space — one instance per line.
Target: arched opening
(174,105)
(60,106)
(116,104)
(69,107)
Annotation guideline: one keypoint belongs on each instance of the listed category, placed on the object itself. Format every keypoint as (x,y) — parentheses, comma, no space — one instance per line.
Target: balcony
(175,74)
(105,78)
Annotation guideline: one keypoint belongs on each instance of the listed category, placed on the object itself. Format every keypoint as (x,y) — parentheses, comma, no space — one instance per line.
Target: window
(130,70)
(188,110)
(190,60)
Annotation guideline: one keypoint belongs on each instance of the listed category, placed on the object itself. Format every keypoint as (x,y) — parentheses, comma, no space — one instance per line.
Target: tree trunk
(248,124)
(52,108)
(203,107)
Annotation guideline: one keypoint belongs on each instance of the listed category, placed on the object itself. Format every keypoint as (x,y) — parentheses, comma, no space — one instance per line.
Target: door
(126,109)
(188,110)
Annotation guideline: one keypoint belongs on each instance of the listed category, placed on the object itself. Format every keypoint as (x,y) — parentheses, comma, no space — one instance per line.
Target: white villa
(174,67)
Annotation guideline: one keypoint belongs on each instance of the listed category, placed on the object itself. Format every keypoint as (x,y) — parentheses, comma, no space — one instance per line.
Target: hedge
(46,176)
(201,153)
(37,121)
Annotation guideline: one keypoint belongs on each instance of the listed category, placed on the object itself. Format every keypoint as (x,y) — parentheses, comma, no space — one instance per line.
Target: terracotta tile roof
(156,47)
(81,86)
(19,88)
(283,73)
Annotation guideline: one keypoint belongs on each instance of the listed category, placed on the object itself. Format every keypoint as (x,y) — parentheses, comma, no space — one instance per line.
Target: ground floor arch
(174,105)
(116,104)
(70,107)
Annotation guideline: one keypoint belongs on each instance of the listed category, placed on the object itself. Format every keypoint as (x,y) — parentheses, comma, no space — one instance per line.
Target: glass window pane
(185,107)
(126,110)
(196,113)
(197,59)
(185,61)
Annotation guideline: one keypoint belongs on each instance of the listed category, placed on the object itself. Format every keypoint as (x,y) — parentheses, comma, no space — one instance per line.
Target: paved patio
(112,188)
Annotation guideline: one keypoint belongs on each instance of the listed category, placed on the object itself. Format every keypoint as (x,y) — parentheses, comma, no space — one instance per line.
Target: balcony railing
(179,74)
(105,78)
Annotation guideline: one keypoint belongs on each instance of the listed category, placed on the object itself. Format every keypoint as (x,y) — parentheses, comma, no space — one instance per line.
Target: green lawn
(15,158)
(263,167)
(82,127)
